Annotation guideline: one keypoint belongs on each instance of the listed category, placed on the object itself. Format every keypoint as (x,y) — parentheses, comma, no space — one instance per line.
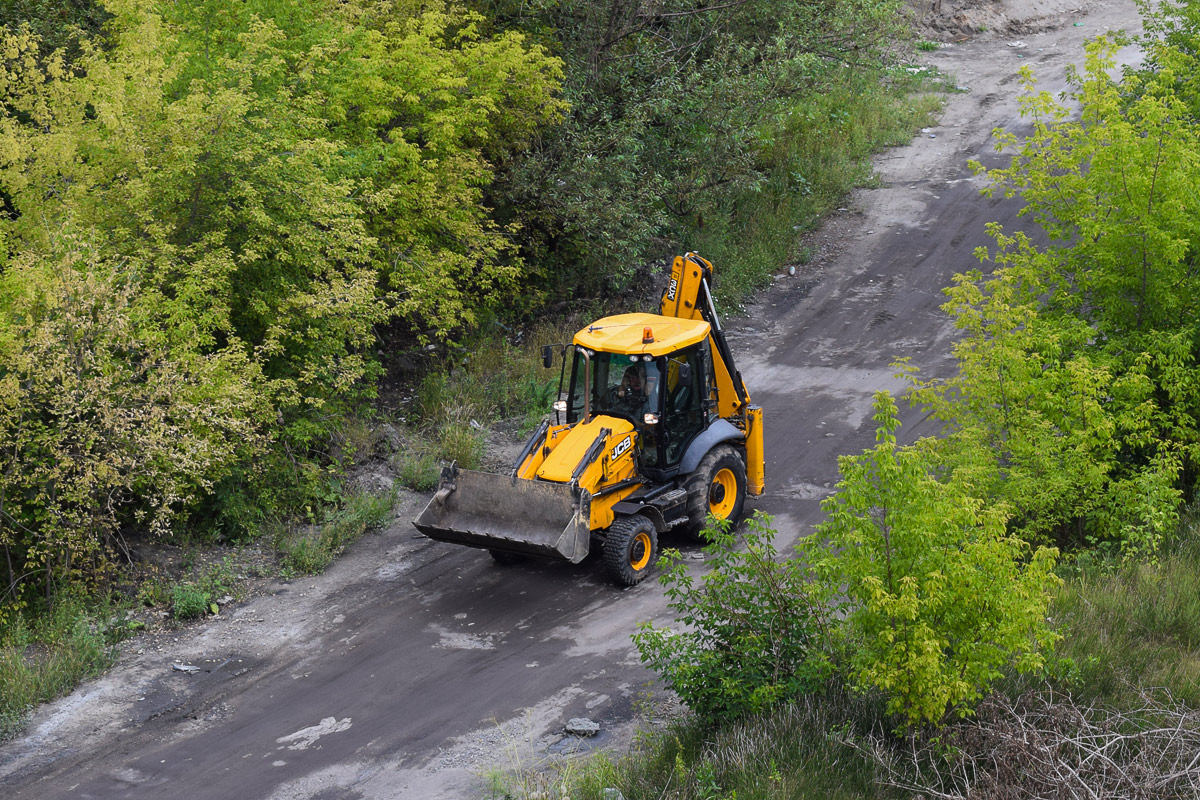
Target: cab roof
(622,333)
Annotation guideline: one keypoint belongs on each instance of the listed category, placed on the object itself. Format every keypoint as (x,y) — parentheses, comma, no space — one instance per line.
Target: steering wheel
(613,398)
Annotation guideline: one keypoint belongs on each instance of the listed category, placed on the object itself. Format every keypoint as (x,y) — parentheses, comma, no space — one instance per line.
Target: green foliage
(60,24)
(207,216)
(189,601)
(309,551)
(1075,400)
(797,750)
(820,150)
(1069,435)
(1117,185)
(1172,45)
(417,470)
(44,655)
(675,109)
(1134,627)
(460,443)
(104,424)
(444,96)
(936,596)
(748,636)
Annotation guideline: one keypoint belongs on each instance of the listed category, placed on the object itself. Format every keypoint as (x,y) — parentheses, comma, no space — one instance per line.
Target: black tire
(720,472)
(630,550)
(506,558)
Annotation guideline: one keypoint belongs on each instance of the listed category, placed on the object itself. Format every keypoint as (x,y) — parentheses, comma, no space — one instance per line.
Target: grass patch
(189,601)
(1135,627)
(796,751)
(489,377)
(821,150)
(309,550)
(418,469)
(45,655)
(486,380)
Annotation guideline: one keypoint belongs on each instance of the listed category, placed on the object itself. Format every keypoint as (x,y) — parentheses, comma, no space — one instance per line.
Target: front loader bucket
(480,509)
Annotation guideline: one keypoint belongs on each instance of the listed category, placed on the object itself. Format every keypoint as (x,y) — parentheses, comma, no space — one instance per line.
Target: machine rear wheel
(717,487)
(630,550)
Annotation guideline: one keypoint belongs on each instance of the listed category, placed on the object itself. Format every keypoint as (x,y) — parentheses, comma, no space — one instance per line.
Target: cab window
(684,392)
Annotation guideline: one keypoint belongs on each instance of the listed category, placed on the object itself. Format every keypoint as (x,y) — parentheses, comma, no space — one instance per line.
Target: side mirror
(547,356)
(685,372)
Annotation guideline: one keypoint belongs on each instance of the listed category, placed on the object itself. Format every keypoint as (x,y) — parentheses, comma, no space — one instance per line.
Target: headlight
(650,419)
(560,406)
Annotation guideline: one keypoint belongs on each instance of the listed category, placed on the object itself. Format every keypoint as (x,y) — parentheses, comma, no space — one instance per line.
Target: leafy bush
(935,595)
(675,109)
(750,633)
(105,422)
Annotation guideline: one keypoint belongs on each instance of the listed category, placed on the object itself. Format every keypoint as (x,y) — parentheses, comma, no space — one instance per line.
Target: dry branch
(1049,747)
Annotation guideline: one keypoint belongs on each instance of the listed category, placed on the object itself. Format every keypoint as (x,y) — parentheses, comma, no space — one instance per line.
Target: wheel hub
(639,551)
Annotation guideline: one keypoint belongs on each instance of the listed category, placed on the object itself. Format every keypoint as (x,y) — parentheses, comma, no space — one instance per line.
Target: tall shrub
(102,423)
(749,634)
(935,595)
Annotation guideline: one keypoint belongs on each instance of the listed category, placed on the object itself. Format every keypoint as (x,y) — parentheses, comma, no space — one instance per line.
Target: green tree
(1116,188)
(237,196)
(936,596)
(59,24)
(1075,396)
(428,106)
(675,109)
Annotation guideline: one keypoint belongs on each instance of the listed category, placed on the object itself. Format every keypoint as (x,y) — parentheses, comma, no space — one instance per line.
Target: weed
(220,579)
(786,753)
(927,46)
(305,555)
(189,601)
(1135,619)
(417,470)
(461,443)
(44,654)
(310,550)
(356,440)
(153,592)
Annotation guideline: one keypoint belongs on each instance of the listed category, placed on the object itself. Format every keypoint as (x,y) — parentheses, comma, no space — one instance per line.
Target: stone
(578,726)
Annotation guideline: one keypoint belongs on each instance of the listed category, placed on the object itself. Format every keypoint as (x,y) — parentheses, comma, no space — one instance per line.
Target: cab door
(684,394)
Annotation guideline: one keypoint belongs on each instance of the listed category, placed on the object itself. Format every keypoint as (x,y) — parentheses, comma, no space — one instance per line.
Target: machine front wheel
(630,550)
(717,487)
(506,558)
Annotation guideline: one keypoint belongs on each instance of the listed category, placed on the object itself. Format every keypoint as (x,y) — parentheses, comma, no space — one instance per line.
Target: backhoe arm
(688,296)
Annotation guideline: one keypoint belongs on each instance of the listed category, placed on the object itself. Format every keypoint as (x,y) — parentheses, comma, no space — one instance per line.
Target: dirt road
(411,668)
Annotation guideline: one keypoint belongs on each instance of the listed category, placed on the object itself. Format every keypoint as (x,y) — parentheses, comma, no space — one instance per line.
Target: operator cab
(652,371)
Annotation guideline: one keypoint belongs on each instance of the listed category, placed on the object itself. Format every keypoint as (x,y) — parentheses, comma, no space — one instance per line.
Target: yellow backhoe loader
(656,433)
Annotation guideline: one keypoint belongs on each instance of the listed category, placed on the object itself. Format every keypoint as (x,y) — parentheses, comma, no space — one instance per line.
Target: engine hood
(561,463)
